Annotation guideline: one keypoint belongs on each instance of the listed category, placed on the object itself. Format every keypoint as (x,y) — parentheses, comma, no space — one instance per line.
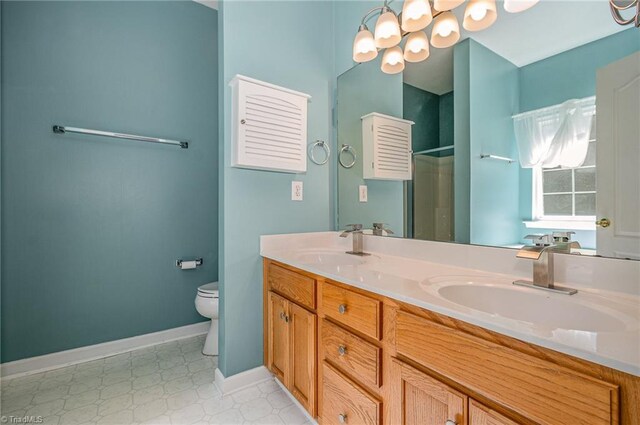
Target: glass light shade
(364,47)
(443,5)
(392,61)
(387,31)
(479,14)
(417,47)
(416,15)
(446,31)
(516,6)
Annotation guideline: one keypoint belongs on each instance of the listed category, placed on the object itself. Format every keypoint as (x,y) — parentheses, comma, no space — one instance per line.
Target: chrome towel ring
(312,151)
(347,149)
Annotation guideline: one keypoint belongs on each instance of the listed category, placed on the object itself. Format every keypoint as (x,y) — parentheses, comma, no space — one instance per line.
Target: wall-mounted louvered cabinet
(269,126)
(386,147)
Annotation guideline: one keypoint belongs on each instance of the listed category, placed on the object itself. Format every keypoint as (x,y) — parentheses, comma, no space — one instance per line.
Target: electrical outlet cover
(362,193)
(296,191)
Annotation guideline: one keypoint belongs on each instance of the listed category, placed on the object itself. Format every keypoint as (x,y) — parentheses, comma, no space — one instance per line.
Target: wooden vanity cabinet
(482,415)
(291,333)
(417,398)
(377,361)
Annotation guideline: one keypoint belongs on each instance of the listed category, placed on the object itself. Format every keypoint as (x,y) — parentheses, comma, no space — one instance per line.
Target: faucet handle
(378,228)
(540,240)
(562,236)
(353,227)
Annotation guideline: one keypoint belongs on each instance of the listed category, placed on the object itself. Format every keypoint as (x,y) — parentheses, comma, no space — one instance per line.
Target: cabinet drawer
(537,389)
(357,311)
(351,353)
(345,403)
(294,286)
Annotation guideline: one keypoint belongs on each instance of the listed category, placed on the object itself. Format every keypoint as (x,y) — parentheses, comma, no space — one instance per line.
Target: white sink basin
(543,309)
(329,258)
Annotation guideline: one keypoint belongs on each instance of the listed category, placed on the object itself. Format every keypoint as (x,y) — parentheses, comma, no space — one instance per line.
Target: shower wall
(433,198)
(430,194)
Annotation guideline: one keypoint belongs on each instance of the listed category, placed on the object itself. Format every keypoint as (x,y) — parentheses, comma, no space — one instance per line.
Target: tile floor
(169,383)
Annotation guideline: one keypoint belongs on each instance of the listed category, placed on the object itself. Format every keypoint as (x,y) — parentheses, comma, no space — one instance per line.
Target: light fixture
(417,47)
(617,6)
(416,15)
(392,61)
(446,31)
(479,15)
(517,6)
(364,46)
(387,29)
(443,5)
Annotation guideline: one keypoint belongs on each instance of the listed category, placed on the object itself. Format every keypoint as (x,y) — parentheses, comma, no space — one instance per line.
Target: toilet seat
(210,290)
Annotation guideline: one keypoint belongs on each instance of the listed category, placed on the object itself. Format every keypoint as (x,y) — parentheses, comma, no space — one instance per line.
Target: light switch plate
(362,193)
(296,191)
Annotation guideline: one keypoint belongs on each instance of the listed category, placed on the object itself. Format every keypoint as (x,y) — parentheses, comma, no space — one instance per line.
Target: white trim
(389,117)
(296,402)
(241,380)
(239,77)
(60,359)
(561,224)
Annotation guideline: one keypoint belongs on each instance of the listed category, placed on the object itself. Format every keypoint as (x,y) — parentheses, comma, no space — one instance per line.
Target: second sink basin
(552,311)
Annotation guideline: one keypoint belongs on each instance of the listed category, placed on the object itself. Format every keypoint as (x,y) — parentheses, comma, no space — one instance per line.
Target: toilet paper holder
(198,261)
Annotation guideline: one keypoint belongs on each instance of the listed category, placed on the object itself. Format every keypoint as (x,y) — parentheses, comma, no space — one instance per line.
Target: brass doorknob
(603,222)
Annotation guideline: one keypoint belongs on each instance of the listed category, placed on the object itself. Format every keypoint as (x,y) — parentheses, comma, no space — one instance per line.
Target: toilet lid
(210,289)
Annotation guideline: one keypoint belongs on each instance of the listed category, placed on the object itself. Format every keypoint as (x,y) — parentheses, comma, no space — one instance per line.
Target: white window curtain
(557,136)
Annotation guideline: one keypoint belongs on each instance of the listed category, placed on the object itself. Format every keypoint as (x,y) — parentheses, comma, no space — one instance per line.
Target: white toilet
(207,306)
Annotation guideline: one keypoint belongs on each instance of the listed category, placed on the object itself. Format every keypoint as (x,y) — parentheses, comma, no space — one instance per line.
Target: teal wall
(495,218)
(296,53)
(362,90)
(446,111)
(568,75)
(433,127)
(423,108)
(462,137)
(91,227)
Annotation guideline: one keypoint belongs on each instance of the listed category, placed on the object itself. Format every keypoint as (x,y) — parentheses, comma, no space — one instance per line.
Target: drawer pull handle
(342,308)
(342,418)
(342,350)
(450,422)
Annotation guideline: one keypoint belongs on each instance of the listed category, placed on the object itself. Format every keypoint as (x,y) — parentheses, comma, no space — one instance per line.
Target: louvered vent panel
(270,124)
(386,147)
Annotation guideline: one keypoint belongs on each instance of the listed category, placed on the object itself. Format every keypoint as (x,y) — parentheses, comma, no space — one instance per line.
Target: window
(570,193)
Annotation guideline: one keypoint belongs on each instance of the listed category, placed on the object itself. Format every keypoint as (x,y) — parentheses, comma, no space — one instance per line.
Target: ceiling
(548,28)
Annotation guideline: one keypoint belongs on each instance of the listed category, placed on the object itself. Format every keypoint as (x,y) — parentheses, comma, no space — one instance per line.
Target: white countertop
(603,325)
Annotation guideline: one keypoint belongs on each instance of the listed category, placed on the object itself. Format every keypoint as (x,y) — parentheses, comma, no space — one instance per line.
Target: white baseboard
(241,380)
(60,359)
(296,402)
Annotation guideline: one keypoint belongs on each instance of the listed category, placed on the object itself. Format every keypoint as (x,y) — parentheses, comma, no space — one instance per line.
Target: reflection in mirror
(527,127)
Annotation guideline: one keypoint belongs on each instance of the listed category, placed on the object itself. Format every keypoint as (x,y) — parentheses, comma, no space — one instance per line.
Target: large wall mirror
(528,127)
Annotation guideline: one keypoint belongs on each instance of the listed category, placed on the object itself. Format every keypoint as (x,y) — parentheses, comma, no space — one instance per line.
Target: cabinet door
(418,399)
(482,415)
(302,328)
(278,338)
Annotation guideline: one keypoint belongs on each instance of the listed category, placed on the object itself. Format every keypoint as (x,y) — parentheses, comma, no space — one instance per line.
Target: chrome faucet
(356,232)
(542,255)
(379,229)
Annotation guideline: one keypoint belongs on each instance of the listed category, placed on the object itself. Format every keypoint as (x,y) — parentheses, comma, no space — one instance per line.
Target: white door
(618,158)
